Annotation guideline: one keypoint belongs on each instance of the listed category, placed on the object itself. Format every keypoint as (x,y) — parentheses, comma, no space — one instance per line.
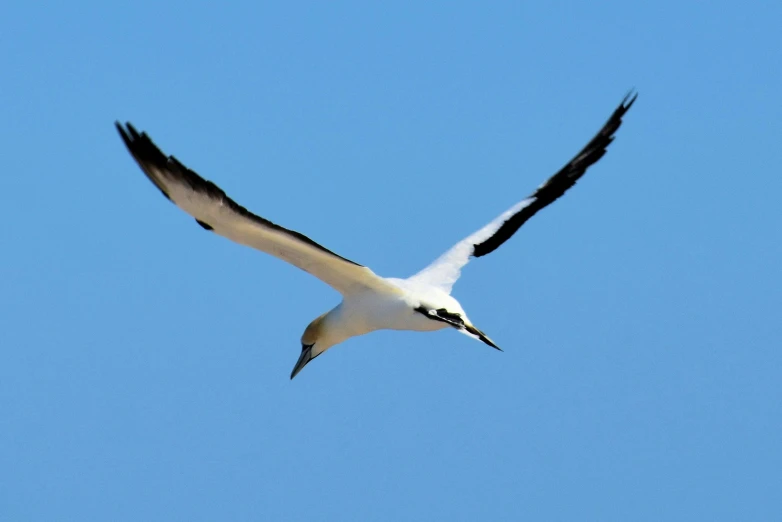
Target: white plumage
(422,302)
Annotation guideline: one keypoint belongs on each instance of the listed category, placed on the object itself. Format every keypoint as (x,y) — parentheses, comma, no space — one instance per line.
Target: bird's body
(420,303)
(395,308)
(365,311)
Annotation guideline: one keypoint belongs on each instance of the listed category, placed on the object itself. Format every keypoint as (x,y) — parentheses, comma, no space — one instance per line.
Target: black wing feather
(560,182)
(151,158)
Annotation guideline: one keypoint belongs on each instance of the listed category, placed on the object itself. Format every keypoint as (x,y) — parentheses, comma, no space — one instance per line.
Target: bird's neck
(344,322)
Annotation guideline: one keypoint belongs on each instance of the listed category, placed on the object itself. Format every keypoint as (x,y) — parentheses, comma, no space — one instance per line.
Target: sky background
(144,363)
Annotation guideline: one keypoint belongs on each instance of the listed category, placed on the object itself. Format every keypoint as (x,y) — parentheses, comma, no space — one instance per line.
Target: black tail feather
(482,336)
(457,322)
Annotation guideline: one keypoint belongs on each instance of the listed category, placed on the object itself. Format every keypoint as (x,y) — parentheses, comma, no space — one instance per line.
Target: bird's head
(314,341)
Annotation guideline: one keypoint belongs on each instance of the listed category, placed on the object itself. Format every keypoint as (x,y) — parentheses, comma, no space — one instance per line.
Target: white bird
(421,303)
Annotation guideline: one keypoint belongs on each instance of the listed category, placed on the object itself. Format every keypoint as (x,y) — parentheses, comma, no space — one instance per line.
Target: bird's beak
(304,358)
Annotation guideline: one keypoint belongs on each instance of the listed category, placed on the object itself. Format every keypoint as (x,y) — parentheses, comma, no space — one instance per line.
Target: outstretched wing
(215,211)
(444,272)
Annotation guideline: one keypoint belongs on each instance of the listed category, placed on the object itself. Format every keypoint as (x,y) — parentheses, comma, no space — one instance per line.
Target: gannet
(420,303)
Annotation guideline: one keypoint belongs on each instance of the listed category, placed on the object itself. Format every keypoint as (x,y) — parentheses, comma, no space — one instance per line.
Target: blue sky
(144,363)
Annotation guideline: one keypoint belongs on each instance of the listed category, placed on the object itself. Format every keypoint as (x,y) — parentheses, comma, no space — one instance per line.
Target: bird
(422,302)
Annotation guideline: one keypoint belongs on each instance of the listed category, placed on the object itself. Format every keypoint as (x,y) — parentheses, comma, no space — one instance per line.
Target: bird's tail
(472,331)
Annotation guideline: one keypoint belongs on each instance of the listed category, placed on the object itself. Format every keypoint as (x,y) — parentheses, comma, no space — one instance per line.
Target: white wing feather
(444,272)
(215,211)
(447,268)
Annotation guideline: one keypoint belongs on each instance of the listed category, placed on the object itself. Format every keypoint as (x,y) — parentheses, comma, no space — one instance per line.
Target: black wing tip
(559,183)
(628,100)
(144,151)
(615,121)
(127,130)
(123,133)
(139,144)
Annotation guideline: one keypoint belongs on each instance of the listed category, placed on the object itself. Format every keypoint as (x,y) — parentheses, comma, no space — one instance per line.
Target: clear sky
(144,363)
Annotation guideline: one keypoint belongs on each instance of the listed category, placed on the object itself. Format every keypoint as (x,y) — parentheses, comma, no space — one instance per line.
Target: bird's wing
(215,211)
(444,272)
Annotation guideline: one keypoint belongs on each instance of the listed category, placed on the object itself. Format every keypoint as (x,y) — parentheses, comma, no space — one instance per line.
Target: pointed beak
(304,358)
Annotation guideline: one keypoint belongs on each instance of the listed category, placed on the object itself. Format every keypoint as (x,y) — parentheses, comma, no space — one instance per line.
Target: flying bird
(420,303)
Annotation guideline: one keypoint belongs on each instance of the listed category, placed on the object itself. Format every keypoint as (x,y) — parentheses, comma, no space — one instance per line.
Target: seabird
(420,303)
